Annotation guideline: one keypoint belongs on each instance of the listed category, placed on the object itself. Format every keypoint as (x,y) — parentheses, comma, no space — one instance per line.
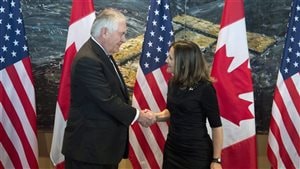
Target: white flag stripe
(136,147)
(146,131)
(296,80)
(77,28)
(27,83)
(152,143)
(14,98)
(142,81)
(13,137)
(164,128)
(162,84)
(274,146)
(4,158)
(282,89)
(57,140)
(285,137)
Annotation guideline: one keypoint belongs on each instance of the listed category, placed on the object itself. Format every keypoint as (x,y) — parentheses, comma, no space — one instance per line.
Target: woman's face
(170,61)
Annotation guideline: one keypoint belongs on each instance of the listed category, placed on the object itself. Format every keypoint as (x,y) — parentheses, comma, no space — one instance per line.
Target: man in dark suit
(96,135)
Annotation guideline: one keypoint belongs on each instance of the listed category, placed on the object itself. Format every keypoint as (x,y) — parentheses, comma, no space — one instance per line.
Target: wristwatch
(216,160)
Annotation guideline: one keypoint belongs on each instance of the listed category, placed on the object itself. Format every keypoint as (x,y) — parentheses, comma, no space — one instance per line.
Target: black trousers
(74,164)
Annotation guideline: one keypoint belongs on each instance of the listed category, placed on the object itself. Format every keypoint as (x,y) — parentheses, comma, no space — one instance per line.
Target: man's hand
(146,118)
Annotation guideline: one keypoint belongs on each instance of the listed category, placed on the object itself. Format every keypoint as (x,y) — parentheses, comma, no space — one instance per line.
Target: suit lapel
(111,64)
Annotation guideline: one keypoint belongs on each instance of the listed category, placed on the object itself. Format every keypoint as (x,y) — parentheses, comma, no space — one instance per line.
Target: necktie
(117,72)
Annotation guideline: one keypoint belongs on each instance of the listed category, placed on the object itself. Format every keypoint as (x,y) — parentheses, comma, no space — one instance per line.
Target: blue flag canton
(158,36)
(291,56)
(13,45)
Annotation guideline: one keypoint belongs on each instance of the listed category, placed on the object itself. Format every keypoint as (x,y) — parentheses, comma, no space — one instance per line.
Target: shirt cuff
(136,116)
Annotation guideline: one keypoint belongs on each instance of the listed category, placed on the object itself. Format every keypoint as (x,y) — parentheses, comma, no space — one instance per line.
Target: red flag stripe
(294,93)
(285,157)
(286,119)
(271,155)
(18,123)
(9,151)
(133,157)
(155,132)
(21,92)
(145,146)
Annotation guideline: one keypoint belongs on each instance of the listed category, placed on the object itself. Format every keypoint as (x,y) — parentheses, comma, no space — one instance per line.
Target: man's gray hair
(108,18)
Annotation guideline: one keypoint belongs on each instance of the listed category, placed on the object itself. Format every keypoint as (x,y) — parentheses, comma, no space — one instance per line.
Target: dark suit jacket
(99,117)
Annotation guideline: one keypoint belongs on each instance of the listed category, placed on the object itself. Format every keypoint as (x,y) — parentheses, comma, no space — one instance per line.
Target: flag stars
(0,21)
(292,39)
(14,54)
(171,33)
(298,54)
(150,44)
(2,59)
(10,15)
(158,49)
(288,60)
(286,70)
(8,26)
(298,8)
(156,59)
(163,28)
(296,18)
(4,49)
(16,43)
(294,29)
(154,22)
(167,6)
(146,65)
(25,48)
(12,4)
(18,32)
(156,12)
(161,38)
(148,54)
(296,64)
(165,17)
(158,2)
(2,10)
(6,37)
(290,49)
(152,33)
(19,20)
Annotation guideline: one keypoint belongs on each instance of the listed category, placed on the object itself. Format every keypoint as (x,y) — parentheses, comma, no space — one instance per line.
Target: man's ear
(104,32)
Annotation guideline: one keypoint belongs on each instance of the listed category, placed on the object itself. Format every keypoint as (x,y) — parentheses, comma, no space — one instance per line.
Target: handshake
(147,118)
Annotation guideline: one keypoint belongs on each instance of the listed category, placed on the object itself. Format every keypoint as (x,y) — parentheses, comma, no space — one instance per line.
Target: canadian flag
(81,20)
(231,70)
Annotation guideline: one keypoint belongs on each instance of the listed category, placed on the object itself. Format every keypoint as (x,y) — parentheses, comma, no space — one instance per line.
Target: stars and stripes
(18,130)
(284,133)
(146,144)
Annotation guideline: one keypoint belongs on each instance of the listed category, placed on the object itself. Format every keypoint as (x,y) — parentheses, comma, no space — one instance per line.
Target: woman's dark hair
(190,66)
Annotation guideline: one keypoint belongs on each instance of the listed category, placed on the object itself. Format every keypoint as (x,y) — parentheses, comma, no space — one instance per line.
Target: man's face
(116,38)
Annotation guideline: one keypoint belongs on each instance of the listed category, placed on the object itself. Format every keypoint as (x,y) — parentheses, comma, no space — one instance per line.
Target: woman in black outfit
(191,101)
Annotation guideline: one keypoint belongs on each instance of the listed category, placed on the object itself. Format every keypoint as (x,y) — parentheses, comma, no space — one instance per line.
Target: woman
(191,100)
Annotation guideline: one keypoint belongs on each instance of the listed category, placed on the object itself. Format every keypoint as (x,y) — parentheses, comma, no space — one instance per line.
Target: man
(96,135)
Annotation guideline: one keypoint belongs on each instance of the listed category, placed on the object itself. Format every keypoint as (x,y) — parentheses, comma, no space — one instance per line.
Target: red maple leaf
(229,85)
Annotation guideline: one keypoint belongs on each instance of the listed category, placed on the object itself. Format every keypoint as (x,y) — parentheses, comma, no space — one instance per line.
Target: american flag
(18,131)
(146,144)
(81,19)
(284,140)
(231,69)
